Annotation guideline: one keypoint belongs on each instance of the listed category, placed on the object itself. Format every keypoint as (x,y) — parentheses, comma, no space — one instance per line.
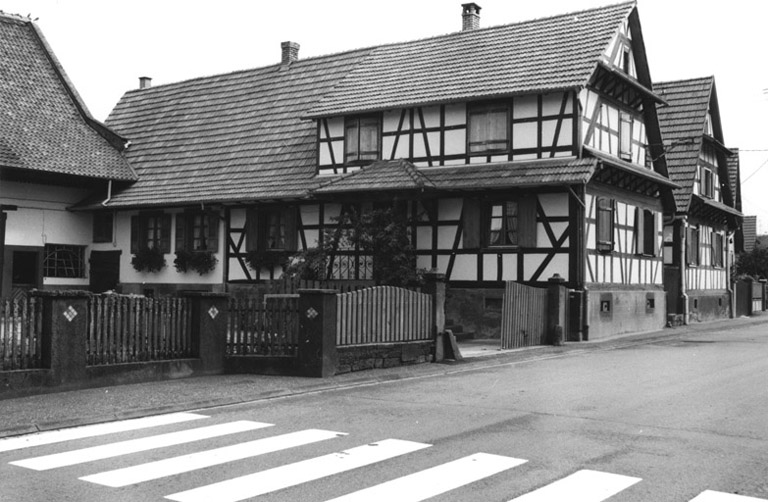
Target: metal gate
(524,316)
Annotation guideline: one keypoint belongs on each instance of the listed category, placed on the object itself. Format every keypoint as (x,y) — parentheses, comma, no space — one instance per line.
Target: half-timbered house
(698,237)
(53,154)
(521,152)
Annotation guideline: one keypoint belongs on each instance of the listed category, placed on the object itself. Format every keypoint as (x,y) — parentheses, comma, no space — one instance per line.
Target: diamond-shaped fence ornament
(70,313)
(312,313)
(213,312)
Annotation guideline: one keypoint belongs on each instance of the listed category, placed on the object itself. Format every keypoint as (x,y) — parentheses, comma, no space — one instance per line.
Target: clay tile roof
(45,125)
(379,176)
(682,127)
(553,53)
(231,137)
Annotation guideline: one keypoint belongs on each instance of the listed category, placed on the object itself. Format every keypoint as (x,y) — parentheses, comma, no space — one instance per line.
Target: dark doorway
(105,270)
(25,272)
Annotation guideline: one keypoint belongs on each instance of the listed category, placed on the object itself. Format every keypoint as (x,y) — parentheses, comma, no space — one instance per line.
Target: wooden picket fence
(264,326)
(383,314)
(20,327)
(523,316)
(124,329)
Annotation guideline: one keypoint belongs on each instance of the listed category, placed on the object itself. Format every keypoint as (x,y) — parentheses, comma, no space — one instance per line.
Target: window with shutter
(197,231)
(361,139)
(692,238)
(511,223)
(488,129)
(604,224)
(625,137)
(151,231)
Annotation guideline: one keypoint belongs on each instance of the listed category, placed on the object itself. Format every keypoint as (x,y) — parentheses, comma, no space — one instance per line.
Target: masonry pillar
(208,324)
(434,285)
(317,355)
(557,296)
(63,334)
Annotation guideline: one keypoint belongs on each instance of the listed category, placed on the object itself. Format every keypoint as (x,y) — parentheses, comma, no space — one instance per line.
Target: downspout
(683,265)
(109,193)
(731,297)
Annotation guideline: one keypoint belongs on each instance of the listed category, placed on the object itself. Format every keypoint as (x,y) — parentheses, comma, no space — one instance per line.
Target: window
(503,229)
(707,183)
(488,129)
(102,227)
(151,230)
(64,261)
(717,250)
(604,224)
(626,60)
(625,137)
(197,231)
(692,250)
(361,139)
(271,229)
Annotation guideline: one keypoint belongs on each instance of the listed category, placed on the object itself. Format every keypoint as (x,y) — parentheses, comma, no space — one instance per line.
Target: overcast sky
(105,46)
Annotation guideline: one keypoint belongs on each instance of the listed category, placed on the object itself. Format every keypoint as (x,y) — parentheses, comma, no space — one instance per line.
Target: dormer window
(361,139)
(488,128)
(707,187)
(625,137)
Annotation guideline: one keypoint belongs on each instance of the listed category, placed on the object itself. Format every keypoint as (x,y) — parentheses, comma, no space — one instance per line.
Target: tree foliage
(381,233)
(754,263)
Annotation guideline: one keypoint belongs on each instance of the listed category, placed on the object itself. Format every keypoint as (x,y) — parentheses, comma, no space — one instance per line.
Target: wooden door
(105,270)
(524,316)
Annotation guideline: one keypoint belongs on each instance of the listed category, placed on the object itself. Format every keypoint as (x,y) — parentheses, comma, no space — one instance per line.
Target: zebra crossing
(581,486)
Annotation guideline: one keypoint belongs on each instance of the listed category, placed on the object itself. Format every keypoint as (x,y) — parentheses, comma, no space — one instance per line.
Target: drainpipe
(731,298)
(109,194)
(683,265)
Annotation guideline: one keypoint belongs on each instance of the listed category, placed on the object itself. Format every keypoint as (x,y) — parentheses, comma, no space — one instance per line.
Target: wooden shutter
(252,229)
(165,233)
(526,221)
(639,230)
(291,230)
(181,232)
(470,218)
(212,239)
(135,232)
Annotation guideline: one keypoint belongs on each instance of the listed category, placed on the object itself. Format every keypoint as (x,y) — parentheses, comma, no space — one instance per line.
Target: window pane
(64,261)
(511,221)
(497,221)
(351,140)
(275,231)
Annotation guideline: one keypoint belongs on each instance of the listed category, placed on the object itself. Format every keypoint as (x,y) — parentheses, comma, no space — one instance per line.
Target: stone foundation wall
(616,311)
(366,357)
(708,305)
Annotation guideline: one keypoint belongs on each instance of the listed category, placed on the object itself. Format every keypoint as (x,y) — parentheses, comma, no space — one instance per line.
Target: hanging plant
(148,260)
(201,262)
(258,259)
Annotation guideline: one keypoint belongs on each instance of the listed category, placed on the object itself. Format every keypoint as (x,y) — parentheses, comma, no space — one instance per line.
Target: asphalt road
(661,422)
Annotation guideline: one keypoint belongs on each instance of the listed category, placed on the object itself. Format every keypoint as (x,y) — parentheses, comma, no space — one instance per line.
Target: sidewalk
(68,409)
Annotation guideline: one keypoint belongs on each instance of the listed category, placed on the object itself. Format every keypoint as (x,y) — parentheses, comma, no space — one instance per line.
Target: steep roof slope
(543,54)
(246,136)
(682,127)
(45,125)
(231,137)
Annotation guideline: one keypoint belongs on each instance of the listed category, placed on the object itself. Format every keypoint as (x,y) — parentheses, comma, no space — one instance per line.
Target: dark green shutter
(640,230)
(135,234)
(212,238)
(526,221)
(165,233)
(291,241)
(181,232)
(252,229)
(470,218)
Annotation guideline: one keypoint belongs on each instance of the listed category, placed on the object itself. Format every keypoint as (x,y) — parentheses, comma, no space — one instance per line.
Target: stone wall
(366,357)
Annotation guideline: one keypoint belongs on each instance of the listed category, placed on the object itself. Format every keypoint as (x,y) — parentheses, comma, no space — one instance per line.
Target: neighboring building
(698,235)
(53,154)
(521,151)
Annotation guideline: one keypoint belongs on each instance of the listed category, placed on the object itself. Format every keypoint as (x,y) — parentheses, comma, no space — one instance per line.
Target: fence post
(557,295)
(64,333)
(317,355)
(208,326)
(434,285)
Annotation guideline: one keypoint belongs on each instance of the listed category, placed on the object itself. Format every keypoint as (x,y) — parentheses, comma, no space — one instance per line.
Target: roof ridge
(391,44)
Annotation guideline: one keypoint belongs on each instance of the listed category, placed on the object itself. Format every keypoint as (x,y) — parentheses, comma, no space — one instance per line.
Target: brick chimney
(290,52)
(470,16)
(145,82)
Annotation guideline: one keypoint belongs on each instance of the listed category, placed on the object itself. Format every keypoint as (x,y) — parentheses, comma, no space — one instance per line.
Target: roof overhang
(629,82)
(632,169)
(714,210)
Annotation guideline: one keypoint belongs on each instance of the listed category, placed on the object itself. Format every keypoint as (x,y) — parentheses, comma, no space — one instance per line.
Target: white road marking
(285,476)
(200,460)
(87,431)
(581,486)
(710,496)
(436,480)
(100,452)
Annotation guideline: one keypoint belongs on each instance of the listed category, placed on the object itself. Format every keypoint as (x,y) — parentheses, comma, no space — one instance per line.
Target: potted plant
(201,262)
(148,259)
